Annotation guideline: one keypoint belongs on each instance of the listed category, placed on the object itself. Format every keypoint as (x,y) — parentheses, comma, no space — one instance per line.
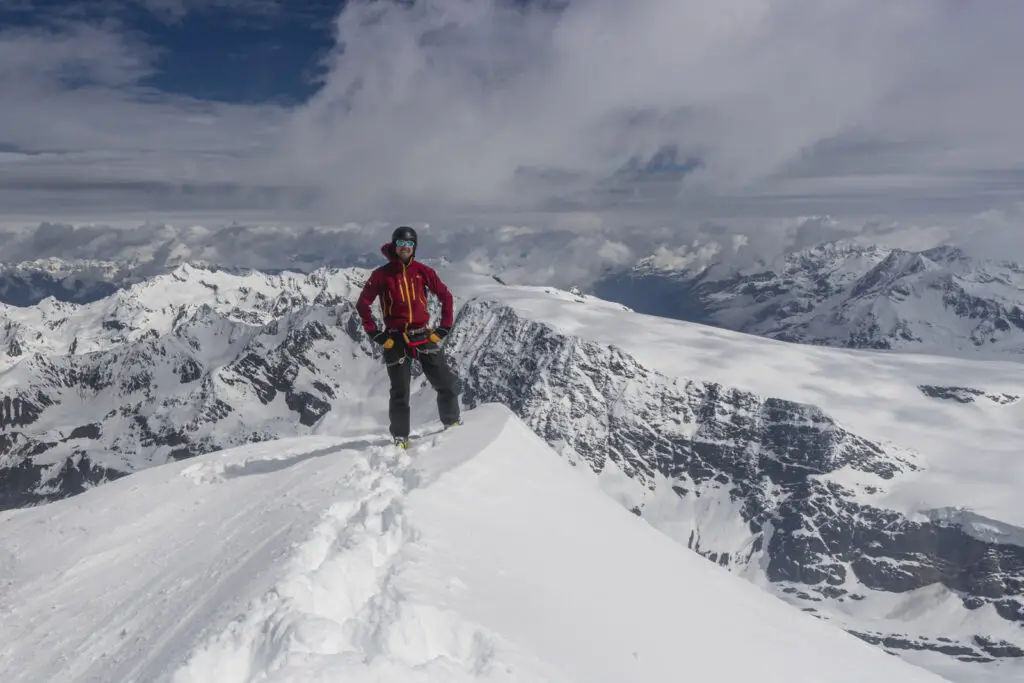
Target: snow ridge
(478,555)
(337,609)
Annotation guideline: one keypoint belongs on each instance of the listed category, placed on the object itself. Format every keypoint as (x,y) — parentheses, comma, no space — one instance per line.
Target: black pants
(399,360)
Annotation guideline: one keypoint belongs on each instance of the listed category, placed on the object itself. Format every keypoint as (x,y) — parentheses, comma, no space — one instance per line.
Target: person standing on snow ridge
(401,286)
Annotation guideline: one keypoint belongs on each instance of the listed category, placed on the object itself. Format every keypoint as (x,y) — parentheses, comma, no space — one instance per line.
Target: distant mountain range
(839,293)
(848,295)
(81,281)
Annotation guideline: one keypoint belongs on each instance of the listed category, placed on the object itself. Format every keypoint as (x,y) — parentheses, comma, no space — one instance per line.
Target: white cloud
(469,103)
(474,113)
(540,253)
(43,58)
(694,257)
(615,254)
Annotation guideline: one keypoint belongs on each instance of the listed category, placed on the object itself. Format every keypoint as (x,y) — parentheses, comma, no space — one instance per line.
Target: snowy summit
(479,554)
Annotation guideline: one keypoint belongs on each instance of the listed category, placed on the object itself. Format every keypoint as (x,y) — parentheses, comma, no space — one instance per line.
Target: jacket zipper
(408,296)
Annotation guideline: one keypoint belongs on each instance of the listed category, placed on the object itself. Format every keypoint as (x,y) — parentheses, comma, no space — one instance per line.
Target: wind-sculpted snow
(750,475)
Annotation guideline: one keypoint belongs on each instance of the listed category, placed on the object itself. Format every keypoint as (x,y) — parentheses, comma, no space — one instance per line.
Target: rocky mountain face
(848,295)
(197,360)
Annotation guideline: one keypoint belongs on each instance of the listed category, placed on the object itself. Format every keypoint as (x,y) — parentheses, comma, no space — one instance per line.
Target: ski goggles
(405,243)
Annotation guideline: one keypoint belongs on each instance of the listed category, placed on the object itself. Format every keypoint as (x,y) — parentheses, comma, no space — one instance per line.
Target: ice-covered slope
(846,294)
(477,555)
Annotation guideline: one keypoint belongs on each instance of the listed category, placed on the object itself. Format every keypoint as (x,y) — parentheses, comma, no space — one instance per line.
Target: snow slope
(477,555)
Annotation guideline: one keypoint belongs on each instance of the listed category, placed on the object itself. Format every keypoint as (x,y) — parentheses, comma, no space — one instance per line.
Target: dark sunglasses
(405,243)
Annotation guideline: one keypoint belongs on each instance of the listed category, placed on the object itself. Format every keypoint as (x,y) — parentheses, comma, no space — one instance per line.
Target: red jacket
(402,290)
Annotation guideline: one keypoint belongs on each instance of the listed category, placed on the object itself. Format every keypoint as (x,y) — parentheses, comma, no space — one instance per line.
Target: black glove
(382,338)
(439,334)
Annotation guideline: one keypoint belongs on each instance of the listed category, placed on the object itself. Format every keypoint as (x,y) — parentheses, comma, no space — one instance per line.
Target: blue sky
(738,109)
(227,51)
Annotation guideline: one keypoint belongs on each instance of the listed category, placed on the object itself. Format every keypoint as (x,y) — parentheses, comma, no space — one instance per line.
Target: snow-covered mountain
(26,283)
(181,364)
(879,491)
(479,555)
(845,294)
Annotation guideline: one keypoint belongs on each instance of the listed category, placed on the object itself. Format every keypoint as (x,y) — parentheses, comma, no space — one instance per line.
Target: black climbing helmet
(404,232)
